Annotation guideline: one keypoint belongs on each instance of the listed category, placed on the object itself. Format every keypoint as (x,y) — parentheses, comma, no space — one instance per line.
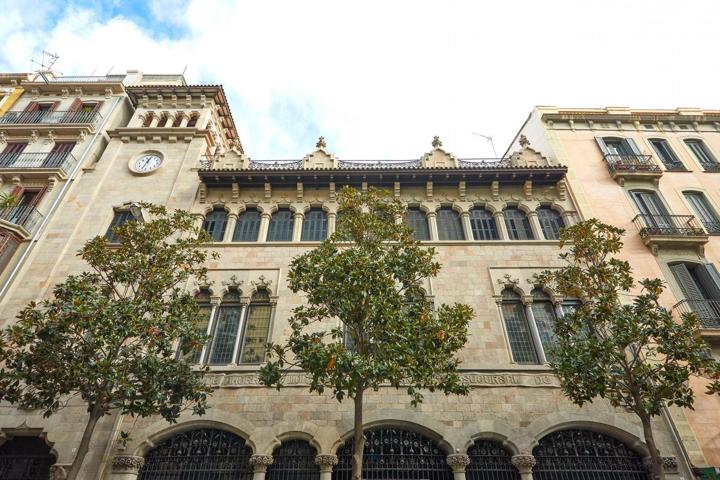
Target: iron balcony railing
(711,167)
(706,310)
(712,226)
(25,216)
(37,160)
(50,117)
(78,79)
(669,225)
(631,163)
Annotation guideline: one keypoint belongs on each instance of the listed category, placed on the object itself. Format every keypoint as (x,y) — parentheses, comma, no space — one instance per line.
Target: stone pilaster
(326,464)
(260,463)
(458,462)
(524,462)
(126,467)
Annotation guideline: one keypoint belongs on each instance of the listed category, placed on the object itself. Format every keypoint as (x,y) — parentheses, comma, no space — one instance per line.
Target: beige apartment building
(655,173)
(495,225)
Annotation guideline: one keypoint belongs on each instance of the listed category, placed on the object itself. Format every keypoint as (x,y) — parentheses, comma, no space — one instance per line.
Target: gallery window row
(625,149)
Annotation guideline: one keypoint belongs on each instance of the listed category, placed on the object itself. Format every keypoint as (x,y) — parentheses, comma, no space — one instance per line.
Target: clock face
(147,163)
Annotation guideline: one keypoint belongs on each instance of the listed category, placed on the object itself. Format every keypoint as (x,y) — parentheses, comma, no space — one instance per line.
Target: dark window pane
(118,220)
(517,223)
(702,154)
(257,327)
(415,219)
(449,225)
(247,227)
(704,211)
(551,222)
(215,223)
(281,226)
(314,226)
(666,155)
(483,225)
(544,314)
(518,330)
(225,331)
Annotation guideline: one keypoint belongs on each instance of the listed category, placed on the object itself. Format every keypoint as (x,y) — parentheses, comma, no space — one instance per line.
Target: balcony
(707,311)
(635,167)
(23,219)
(670,231)
(54,117)
(37,161)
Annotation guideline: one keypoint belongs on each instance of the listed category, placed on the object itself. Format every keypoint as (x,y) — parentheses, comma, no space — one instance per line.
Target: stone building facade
(494,224)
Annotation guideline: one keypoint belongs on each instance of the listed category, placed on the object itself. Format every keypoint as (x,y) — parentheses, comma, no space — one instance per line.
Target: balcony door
(58,154)
(654,213)
(11,153)
(700,285)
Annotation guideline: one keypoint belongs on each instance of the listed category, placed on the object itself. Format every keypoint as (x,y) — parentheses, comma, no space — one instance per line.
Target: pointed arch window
(281,226)
(215,224)
(257,328)
(314,226)
(483,224)
(294,460)
(417,220)
(490,460)
(247,227)
(449,225)
(518,224)
(551,222)
(225,330)
(520,338)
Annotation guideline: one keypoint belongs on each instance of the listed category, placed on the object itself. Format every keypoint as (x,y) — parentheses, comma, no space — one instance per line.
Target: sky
(378,79)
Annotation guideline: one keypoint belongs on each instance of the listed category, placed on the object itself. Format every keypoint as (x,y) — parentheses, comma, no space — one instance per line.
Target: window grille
(518,329)
(281,226)
(544,314)
(393,453)
(449,225)
(247,227)
(294,460)
(586,455)
(120,219)
(25,458)
(517,223)
(257,327)
(483,225)
(314,226)
(225,330)
(489,460)
(551,222)
(416,219)
(199,455)
(215,224)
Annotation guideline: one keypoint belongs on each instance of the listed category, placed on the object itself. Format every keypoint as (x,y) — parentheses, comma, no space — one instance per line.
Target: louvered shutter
(37,197)
(684,279)
(75,105)
(633,146)
(603,147)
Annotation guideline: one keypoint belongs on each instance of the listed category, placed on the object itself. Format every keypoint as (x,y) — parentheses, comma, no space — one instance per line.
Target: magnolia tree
(108,336)
(366,322)
(636,354)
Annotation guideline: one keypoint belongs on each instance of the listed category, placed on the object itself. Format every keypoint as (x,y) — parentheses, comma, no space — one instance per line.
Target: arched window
(544,313)
(449,225)
(204,453)
(314,226)
(416,219)
(225,330)
(517,223)
(257,327)
(247,227)
(215,223)
(700,286)
(666,154)
(394,453)
(193,120)
(294,460)
(25,458)
(551,222)
(119,219)
(518,328)
(281,226)
(483,225)
(489,460)
(702,154)
(203,301)
(587,455)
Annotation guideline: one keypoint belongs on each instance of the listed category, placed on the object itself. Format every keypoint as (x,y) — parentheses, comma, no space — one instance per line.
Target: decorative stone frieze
(524,462)
(127,463)
(458,461)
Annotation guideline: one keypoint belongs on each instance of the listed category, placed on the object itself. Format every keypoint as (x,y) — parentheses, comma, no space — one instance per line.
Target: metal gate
(25,458)
(395,454)
(489,460)
(204,454)
(294,460)
(585,455)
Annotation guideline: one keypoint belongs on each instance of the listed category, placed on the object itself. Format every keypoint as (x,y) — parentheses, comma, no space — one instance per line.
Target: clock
(146,163)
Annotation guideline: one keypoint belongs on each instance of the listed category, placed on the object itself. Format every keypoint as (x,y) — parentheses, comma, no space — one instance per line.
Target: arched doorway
(489,460)
(587,455)
(294,460)
(25,458)
(199,454)
(392,453)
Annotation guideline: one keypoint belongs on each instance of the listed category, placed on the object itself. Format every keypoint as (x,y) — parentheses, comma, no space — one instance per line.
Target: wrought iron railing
(25,216)
(63,160)
(670,225)
(484,162)
(707,311)
(711,167)
(376,164)
(711,226)
(276,164)
(50,117)
(631,163)
(79,79)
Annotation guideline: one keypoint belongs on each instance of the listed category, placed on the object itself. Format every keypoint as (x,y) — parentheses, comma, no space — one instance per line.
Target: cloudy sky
(379,78)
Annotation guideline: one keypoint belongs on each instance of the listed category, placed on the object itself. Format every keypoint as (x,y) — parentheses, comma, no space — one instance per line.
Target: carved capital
(127,464)
(524,462)
(458,461)
(261,462)
(326,462)
(58,472)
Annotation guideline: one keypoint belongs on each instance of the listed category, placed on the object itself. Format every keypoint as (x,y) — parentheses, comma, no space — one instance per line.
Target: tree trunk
(359,436)
(657,471)
(95,415)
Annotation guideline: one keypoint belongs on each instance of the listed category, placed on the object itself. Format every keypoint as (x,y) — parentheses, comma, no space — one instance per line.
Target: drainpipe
(56,201)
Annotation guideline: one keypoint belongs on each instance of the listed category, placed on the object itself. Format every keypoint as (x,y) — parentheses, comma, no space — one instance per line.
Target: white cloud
(379,79)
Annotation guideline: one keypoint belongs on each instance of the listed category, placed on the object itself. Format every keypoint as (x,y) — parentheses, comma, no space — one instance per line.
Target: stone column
(535,225)
(264,224)
(568,218)
(524,462)
(230,227)
(500,223)
(297,226)
(326,464)
(155,120)
(260,463)
(458,462)
(126,467)
(534,332)
(170,120)
(467,227)
(432,225)
(331,217)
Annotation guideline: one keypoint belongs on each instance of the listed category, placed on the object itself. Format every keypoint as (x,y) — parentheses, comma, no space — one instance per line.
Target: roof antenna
(489,139)
(46,63)
(108,72)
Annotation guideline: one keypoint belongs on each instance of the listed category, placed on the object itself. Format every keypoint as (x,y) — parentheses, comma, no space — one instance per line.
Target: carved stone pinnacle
(436,143)
(524,142)
(321,143)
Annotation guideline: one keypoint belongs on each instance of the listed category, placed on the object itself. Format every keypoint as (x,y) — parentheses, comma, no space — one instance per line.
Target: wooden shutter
(75,105)
(32,107)
(17,192)
(38,196)
(684,279)
(603,147)
(97,107)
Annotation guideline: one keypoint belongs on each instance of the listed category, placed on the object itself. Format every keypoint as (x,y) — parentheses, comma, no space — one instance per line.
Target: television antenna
(46,63)
(489,139)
